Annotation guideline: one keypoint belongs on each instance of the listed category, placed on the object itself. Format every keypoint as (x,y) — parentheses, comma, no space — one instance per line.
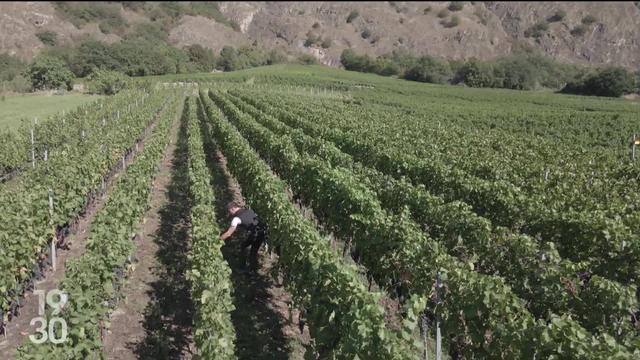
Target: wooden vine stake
(55,239)
(33,151)
(424,331)
(438,334)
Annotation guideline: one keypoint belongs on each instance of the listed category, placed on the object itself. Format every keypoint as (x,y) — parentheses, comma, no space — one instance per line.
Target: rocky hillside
(579,32)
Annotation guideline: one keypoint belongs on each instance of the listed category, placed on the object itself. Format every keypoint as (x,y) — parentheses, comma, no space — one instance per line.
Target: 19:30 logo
(56,300)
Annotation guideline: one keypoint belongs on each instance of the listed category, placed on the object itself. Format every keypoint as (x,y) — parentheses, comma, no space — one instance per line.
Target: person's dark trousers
(255,239)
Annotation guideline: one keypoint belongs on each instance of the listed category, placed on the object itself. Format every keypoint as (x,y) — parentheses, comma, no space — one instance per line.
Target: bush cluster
(610,81)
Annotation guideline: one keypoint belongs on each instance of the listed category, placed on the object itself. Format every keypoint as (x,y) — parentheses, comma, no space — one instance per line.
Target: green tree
(403,58)
(203,58)
(612,81)
(229,60)
(429,69)
(385,67)
(107,82)
(49,73)
(351,61)
(93,54)
(475,74)
(515,73)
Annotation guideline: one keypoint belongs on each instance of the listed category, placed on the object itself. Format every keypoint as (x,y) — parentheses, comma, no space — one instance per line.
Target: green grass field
(16,107)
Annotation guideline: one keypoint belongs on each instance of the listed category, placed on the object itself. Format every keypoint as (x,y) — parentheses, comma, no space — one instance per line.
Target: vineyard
(404,221)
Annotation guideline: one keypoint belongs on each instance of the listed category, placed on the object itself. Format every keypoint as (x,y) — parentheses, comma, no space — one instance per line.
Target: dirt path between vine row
(153,321)
(264,328)
(19,328)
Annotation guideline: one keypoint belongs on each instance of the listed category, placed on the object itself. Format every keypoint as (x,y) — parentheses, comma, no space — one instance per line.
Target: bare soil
(154,321)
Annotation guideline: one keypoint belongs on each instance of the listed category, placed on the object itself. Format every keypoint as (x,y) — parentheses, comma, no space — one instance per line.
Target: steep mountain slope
(484,29)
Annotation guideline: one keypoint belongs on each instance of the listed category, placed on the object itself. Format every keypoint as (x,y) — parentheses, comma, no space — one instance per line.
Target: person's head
(233,207)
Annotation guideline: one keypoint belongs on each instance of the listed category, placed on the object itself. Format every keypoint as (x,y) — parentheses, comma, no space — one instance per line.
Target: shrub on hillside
(307,59)
(426,10)
(148,32)
(48,37)
(588,20)
(352,16)
(49,73)
(312,39)
(366,33)
(456,6)
(453,22)
(579,30)
(326,43)
(79,13)
(107,82)
(276,56)
(443,13)
(19,84)
(557,16)
(537,30)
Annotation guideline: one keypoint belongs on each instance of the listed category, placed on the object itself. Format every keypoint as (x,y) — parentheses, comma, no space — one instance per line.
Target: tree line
(144,51)
(524,69)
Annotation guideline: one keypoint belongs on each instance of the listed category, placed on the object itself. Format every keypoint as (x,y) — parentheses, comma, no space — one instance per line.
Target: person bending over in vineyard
(248,221)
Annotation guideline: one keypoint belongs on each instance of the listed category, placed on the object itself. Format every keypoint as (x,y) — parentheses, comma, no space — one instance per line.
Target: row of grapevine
(611,247)
(536,275)
(93,280)
(62,129)
(73,180)
(568,176)
(563,179)
(344,319)
(211,287)
(394,244)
